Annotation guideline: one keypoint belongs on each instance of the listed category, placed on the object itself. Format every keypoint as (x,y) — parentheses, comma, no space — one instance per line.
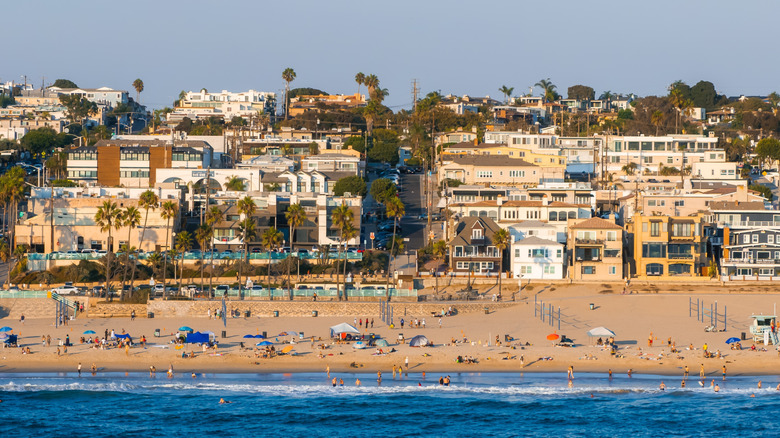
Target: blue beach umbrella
(185,328)
(264,343)
(732,340)
(89,332)
(6,329)
(249,336)
(259,336)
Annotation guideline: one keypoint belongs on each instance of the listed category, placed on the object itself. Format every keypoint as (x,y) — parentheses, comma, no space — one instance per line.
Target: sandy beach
(633,317)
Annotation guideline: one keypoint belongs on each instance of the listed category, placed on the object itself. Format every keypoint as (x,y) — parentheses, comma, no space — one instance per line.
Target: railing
(283,293)
(750,224)
(68,303)
(478,255)
(752,261)
(589,241)
(196,256)
(24,294)
(680,256)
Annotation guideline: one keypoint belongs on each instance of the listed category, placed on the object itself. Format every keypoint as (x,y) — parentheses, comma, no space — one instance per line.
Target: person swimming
(222,401)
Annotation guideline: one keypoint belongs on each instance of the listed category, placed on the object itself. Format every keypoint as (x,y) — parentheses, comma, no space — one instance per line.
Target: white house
(537,259)
(535,228)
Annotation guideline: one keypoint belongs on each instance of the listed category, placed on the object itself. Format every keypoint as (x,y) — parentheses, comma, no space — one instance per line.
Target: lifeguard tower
(761,329)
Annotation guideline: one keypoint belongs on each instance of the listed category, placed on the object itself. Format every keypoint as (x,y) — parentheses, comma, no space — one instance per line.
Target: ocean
(474,405)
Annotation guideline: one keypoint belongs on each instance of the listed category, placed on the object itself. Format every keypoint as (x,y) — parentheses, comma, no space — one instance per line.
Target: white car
(66,290)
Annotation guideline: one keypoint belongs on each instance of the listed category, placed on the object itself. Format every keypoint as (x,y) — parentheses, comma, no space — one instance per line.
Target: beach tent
(381,343)
(197,338)
(600,332)
(419,341)
(338,329)
(123,336)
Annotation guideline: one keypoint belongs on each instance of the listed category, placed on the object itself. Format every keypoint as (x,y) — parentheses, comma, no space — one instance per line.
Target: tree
(768,150)
(774,99)
(372,83)
(438,250)
(43,140)
(350,184)
(548,89)
(138,84)
(501,241)
(348,233)
(202,236)
(288,75)
(108,217)
(235,184)
(78,108)
(169,209)
(360,78)
(703,95)
(629,169)
(213,217)
(765,191)
(384,152)
(382,189)
(246,208)
(147,201)
(11,192)
(183,244)
(507,92)
(58,164)
(581,92)
(355,142)
(5,257)
(395,209)
(296,216)
(657,119)
(64,83)
(131,218)
(341,217)
(607,95)
(271,239)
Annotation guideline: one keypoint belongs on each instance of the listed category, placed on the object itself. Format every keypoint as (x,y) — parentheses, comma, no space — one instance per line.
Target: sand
(632,316)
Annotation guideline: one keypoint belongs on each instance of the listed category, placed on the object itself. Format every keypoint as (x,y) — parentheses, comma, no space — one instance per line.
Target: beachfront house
(472,249)
(535,258)
(595,250)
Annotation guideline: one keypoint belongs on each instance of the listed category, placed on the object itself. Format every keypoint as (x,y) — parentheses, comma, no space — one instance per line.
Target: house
(595,250)
(669,246)
(545,159)
(473,169)
(457,136)
(226,104)
(472,248)
(748,237)
(535,258)
(532,228)
(300,104)
(650,154)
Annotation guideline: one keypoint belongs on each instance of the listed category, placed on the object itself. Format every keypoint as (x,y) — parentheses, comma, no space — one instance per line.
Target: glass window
(588,270)
(755,238)
(655,229)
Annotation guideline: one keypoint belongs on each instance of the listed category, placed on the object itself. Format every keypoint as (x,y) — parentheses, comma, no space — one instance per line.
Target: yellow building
(669,246)
(502,150)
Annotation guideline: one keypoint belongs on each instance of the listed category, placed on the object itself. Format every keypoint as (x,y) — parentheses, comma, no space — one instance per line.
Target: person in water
(222,401)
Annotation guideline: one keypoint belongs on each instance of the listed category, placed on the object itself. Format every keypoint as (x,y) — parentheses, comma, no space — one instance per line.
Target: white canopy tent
(600,332)
(338,329)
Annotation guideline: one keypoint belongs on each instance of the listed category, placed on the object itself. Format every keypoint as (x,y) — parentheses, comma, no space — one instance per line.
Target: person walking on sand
(372,322)
(439,322)
(650,340)
(406,364)
(423,323)
(701,371)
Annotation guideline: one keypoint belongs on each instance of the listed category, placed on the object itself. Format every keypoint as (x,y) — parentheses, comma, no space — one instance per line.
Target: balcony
(476,255)
(680,257)
(762,262)
(588,259)
(589,241)
(751,224)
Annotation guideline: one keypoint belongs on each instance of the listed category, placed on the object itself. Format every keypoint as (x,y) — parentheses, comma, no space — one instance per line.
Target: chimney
(500,200)
(476,142)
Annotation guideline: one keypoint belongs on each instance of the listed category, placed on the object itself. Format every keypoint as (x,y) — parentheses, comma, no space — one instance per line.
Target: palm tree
(395,209)
(774,99)
(548,89)
(202,235)
(350,232)
(657,119)
(148,201)
(5,256)
(360,78)
(296,216)
(153,260)
(678,101)
(288,75)
(139,87)
(341,217)
(183,244)
(131,217)
(271,239)
(507,92)
(438,250)
(168,212)
(607,95)
(58,164)
(213,217)
(629,168)
(247,208)
(235,184)
(108,217)
(501,241)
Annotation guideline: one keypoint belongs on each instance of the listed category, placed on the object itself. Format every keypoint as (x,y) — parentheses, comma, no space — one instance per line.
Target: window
(516,173)
(558,253)
(526,269)
(654,269)
(549,269)
(679,203)
(554,216)
(537,252)
(476,233)
(736,254)
(655,229)
(770,238)
(517,252)
(611,253)
(484,174)
(755,238)
(611,236)
(746,238)
(612,270)
(588,270)
(654,250)
(682,230)
(679,269)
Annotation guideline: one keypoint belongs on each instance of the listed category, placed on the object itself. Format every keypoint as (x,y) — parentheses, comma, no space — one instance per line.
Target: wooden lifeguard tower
(761,329)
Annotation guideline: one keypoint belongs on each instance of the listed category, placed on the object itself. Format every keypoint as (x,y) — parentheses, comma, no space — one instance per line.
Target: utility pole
(415,92)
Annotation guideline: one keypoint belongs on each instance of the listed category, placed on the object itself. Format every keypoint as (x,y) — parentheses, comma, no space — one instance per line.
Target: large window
(537,252)
(654,250)
(682,230)
(484,174)
(655,269)
(655,229)
(588,270)
(679,269)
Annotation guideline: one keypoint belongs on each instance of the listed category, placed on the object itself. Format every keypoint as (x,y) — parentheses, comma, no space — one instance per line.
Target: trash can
(300,335)
(314,313)
(150,314)
(276,313)
(265,335)
(487,310)
(156,333)
(592,306)
(247,314)
(744,336)
(224,334)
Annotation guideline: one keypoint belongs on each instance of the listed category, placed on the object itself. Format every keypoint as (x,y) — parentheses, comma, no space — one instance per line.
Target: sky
(455,47)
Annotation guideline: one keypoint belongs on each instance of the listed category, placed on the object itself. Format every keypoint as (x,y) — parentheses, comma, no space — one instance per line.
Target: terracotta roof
(596,223)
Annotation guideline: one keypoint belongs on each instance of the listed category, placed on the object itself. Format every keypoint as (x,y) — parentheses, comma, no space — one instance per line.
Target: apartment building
(300,104)
(534,258)
(497,149)
(595,250)
(134,163)
(650,154)
(488,170)
(224,104)
(748,239)
(669,246)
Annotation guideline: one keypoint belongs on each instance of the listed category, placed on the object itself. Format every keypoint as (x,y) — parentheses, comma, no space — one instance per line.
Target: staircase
(68,303)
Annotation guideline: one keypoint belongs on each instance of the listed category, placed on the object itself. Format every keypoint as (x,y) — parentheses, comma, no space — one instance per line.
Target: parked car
(221,290)
(98,291)
(159,289)
(86,251)
(66,290)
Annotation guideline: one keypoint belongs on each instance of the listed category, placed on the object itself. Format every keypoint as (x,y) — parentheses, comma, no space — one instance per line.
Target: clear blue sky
(459,47)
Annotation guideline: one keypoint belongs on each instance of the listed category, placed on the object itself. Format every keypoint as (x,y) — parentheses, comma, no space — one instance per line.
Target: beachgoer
(357,382)
(650,340)
(94,369)
(170,371)
(724,372)
(610,373)
(701,371)
(334,382)
(439,322)
(423,323)
(682,385)
(21,319)
(402,323)
(379,376)
(685,371)
(222,401)
(79,369)
(630,371)
(341,382)
(570,372)
(327,370)
(406,363)
(759,384)
(372,322)
(393,371)
(193,375)
(152,371)
(717,388)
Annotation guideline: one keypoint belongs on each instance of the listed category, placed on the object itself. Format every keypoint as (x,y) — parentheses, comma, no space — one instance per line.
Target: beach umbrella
(287,349)
(259,337)
(89,332)
(249,336)
(419,341)
(3,336)
(382,343)
(6,329)
(732,340)
(264,343)
(185,329)
(600,331)
(552,337)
